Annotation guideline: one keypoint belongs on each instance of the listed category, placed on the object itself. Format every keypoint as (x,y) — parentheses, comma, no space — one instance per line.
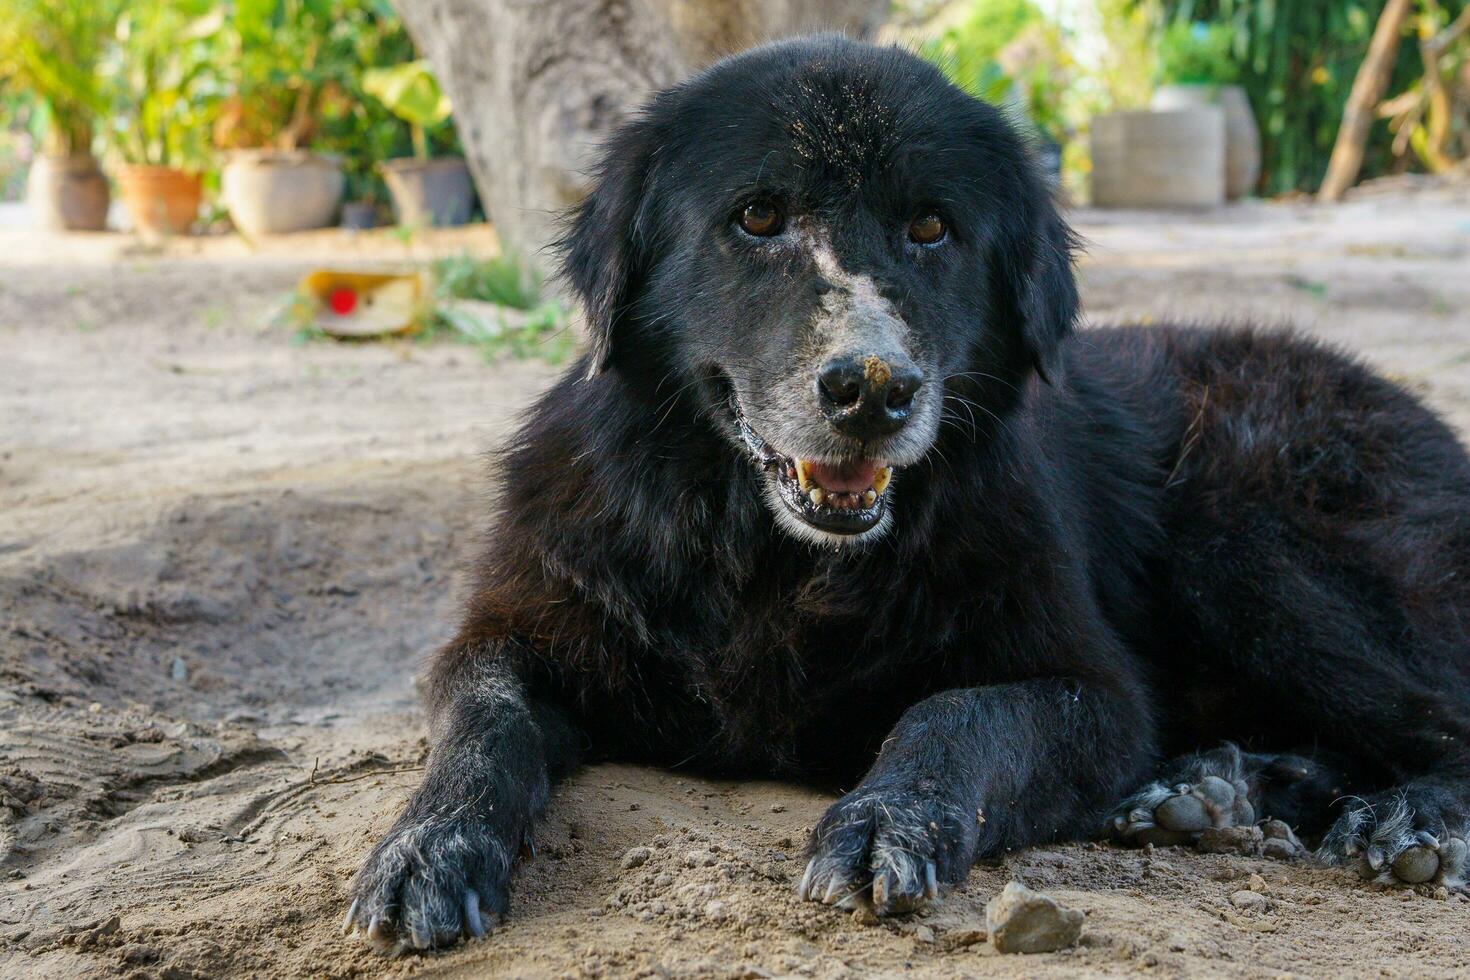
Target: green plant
(968,51)
(523,322)
(412,93)
(1196,53)
(163,82)
(52,48)
(1297,62)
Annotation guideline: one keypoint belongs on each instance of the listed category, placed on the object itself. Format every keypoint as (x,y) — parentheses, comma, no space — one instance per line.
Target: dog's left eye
(927,229)
(761,219)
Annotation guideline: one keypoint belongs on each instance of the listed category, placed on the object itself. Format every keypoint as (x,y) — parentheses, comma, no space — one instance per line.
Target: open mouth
(841,498)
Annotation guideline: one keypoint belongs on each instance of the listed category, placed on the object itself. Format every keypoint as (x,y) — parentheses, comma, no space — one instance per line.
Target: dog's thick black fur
(817,269)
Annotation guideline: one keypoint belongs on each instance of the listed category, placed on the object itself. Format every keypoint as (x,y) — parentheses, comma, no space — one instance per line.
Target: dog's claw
(880,890)
(379,933)
(348,921)
(473,922)
(931,881)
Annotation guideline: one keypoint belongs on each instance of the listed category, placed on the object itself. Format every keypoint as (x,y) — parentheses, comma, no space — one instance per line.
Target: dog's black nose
(868,396)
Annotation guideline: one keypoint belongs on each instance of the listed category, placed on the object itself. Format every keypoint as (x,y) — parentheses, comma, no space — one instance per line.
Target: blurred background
(266,116)
(273,279)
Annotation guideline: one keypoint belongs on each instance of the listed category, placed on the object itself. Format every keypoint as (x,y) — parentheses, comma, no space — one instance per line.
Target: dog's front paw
(430,882)
(1158,814)
(888,849)
(1390,839)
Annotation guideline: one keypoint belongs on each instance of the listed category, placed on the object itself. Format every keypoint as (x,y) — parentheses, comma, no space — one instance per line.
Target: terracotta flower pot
(68,193)
(162,200)
(270,192)
(430,192)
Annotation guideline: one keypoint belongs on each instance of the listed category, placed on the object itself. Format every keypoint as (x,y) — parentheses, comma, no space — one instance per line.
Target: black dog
(837,489)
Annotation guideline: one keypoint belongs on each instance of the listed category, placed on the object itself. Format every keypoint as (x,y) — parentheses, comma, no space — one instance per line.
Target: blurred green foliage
(161,82)
(1196,53)
(170,81)
(1008,53)
(1297,61)
(412,93)
(50,51)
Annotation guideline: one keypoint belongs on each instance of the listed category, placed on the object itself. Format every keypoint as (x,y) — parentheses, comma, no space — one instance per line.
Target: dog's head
(838,250)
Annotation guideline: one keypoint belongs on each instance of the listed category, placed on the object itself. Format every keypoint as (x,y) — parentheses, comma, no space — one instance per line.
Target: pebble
(1020,920)
(1258,884)
(699,859)
(636,857)
(1250,901)
(1232,840)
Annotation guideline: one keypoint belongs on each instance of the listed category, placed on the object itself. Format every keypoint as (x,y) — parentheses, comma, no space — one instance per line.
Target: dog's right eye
(761,219)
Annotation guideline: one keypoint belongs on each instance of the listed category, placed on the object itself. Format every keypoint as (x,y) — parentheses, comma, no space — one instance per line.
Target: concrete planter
(160,200)
(1159,159)
(1242,136)
(68,193)
(430,192)
(271,192)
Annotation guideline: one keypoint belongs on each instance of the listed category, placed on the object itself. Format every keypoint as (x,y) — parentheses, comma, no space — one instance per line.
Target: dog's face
(838,251)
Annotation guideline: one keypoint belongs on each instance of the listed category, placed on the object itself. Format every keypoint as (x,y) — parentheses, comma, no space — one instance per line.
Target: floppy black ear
(1036,278)
(602,250)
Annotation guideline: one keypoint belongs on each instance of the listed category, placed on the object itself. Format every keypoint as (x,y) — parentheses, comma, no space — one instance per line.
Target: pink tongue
(853,477)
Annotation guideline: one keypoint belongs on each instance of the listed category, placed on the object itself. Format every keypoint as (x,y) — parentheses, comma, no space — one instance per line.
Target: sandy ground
(223,554)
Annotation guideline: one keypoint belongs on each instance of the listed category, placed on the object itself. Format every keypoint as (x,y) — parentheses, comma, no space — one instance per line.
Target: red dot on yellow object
(342,301)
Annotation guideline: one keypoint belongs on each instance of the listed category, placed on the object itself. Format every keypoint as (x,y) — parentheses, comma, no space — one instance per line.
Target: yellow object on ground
(365,304)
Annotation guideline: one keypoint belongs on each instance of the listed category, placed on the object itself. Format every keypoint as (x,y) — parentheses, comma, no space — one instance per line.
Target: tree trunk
(537,84)
(1367,92)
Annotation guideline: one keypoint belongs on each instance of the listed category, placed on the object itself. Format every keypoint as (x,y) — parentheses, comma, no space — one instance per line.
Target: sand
(224,553)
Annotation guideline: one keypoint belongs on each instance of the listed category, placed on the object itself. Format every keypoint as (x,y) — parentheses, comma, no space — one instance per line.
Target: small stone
(1246,841)
(1280,850)
(635,806)
(778,807)
(965,937)
(1020,920)
(1250,901)
(924,934)
(864,916)
(636,857)
(1258,884)
(95,707)
(699,859)
(180,670)
(716,911)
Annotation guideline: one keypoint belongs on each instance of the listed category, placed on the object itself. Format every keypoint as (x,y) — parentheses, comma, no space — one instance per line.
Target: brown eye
(927,229)
(761,219)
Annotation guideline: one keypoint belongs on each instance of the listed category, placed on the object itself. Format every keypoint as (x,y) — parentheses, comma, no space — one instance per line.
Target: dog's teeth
(802,479)
(881,478)
(817,496)
(870,497)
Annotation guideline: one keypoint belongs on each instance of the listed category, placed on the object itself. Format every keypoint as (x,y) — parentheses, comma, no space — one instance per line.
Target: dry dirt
(223,554)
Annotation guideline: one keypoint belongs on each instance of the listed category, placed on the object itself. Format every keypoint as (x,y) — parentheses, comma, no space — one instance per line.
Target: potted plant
(163,85)
(51,48)
(286,56)
(425,190)
(1196,68)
